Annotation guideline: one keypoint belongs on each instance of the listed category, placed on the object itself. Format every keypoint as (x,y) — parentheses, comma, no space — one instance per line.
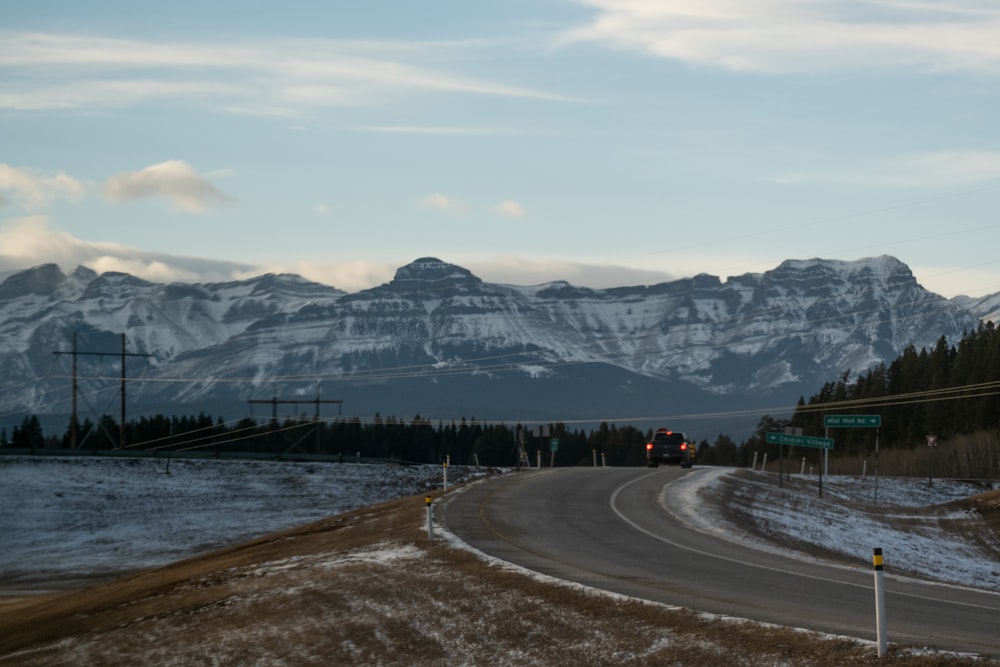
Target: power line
(76,353)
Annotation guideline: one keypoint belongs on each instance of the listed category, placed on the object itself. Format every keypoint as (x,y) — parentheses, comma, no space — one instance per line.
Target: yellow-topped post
(879,603)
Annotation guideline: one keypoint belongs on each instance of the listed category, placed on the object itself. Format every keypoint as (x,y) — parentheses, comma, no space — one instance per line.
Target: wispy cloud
(29,241)
(778,36)
(350,276)
(42,94)
(521,271)
(442,203)
(927,170)
(173,180)
(35,190)
(511,209)
(283,77)
(417,129)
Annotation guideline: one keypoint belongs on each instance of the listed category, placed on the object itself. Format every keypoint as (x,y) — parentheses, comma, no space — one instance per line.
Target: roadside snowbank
(917,531)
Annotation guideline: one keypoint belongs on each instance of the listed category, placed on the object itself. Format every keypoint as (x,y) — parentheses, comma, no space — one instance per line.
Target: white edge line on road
(614,508)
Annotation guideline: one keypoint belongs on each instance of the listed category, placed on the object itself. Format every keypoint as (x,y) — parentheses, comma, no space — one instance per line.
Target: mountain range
(700,353)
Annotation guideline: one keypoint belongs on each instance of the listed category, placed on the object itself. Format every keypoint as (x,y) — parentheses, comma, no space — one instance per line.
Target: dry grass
(366,588)
(967,456)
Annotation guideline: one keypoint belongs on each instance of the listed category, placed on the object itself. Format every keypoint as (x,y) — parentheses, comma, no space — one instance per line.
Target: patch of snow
(845,521)
(63,517)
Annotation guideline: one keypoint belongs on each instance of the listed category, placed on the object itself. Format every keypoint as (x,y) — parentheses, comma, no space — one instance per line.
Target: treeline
(944,391)
(947,391)
(417,440)
(948,396)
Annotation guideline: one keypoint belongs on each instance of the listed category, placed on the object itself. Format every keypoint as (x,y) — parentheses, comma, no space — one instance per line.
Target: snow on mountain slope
(802,323)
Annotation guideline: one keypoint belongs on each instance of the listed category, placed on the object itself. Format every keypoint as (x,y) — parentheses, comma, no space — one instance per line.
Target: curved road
(607,528)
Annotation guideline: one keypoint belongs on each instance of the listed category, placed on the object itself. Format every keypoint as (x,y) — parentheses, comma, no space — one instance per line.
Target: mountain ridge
(436,338)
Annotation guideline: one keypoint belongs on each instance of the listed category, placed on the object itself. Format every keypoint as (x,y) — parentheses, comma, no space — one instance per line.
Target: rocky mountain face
(439,342)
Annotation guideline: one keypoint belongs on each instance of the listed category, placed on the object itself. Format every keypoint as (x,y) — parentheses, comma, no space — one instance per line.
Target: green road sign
(852,421)
(799,440)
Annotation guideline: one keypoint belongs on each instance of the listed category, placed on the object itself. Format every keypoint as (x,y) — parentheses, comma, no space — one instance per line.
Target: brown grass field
(369,588)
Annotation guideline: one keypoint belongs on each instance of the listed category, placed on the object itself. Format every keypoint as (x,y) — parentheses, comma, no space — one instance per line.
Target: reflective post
(879,603)
(430,520)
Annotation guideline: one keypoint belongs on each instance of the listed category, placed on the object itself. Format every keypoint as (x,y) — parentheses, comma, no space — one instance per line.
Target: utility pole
(274,402)
(73,419)
(121,426)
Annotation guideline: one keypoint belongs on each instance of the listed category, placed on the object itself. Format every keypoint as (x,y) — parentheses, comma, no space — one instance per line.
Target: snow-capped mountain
(439,342)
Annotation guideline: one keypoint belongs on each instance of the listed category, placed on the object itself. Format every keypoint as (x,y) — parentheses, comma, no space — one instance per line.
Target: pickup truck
(669,447)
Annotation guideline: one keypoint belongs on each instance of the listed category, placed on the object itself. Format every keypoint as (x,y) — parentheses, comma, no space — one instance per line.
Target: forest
(947,396)
(466,442)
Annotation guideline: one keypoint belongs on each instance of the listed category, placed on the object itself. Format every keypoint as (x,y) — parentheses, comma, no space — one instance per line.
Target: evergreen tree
(29,435)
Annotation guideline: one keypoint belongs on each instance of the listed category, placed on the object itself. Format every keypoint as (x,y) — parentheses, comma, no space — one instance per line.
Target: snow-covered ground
(67,517)
(64,517)
(912,522)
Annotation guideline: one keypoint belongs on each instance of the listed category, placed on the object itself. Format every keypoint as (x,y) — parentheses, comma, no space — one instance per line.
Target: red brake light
(649,445)
(683,446)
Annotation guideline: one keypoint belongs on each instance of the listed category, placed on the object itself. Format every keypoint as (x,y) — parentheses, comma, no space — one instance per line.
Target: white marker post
(753,466)
(444,467)
(430,521)
(879,603)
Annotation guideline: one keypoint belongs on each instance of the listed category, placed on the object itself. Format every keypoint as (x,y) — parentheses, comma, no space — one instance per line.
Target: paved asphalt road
(608,528)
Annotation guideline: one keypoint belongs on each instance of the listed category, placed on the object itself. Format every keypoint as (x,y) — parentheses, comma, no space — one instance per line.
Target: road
(608,528)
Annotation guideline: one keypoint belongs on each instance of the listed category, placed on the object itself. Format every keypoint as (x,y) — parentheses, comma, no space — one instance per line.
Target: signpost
(932,441)
(857,421)
(798,440)
(783,439)
(852,421)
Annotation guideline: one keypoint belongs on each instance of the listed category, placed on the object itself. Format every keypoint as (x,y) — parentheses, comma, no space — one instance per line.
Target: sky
(602,142)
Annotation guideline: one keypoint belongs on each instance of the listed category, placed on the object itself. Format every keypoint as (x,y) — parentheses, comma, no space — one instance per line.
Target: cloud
(779,36)
(173,180)
(925,170)
(511,209)
(93,92)
(34,190)
(262,77)
(442,203)
(439,130)
(511,270)
(29,241)
(350,276)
